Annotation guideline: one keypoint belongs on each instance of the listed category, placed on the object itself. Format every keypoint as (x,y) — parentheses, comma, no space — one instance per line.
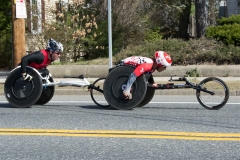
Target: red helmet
(163,59)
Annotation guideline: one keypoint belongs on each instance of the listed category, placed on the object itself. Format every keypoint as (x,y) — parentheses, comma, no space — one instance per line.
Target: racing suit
(37,60)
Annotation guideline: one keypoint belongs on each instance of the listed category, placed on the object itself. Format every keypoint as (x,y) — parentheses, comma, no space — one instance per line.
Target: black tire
(47,94)
(220,97)
(149,94)
(20,93)
(98,97)
(115,83)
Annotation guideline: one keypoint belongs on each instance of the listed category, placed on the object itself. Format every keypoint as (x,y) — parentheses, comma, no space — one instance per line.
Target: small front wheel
(220,94)
(97,96)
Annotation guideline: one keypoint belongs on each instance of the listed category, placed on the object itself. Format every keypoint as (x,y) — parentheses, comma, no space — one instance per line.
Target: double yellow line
(123,134)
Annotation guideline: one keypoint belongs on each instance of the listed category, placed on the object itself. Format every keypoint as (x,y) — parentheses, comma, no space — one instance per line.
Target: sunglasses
(57,53)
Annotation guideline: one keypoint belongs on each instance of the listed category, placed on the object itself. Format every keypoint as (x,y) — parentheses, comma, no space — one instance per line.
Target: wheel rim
(217,100)
(22,89)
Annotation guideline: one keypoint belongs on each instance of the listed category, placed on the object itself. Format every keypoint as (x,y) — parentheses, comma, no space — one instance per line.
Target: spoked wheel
(97,96)
(47,94)
(220,96)
(20,93)
(116,82)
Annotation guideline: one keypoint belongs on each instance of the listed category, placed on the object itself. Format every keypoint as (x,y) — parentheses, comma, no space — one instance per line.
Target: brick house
(39,12)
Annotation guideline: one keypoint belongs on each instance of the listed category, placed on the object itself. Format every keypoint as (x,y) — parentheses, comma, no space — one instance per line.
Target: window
(36,16)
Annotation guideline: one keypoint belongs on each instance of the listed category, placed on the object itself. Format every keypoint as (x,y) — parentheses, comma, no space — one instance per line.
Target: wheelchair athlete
(41,59)
(160,62)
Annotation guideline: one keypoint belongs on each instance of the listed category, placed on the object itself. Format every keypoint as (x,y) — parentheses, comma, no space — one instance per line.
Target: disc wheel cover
(114,86)
(20,93)
(22,89)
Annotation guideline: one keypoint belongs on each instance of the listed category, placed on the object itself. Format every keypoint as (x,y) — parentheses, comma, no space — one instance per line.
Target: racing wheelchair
(212,93)
(41,88)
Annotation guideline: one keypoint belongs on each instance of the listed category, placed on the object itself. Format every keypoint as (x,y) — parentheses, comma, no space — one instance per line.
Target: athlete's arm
(143,68)
(36,57)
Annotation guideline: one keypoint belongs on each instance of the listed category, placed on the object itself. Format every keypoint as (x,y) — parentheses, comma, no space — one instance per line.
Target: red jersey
(142,64)
(45,63)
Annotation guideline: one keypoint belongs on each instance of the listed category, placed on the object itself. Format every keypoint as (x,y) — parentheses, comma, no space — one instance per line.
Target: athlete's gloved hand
(27,77)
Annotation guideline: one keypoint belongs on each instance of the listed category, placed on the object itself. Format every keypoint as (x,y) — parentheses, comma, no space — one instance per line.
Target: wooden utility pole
(18,33)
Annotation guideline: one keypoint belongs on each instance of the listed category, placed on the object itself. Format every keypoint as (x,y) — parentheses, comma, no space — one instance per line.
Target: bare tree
(73,24)
(206,14)
(128,20)
(184,21)
(171,17)
(201,17)
(213,11)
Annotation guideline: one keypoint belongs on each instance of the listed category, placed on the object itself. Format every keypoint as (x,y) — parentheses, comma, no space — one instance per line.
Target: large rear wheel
(150,93)
(20,93)
(47,94)
(116,82)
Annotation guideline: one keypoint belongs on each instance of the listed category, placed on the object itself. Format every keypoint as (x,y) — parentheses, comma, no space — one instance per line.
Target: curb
(95,71)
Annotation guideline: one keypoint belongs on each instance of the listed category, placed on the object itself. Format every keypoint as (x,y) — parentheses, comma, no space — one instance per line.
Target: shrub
(153,35)
(201,51)
(229,20)
(229,34)
(193,73)
(227,31)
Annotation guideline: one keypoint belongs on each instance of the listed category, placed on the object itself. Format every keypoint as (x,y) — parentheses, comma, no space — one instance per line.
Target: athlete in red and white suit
(143,65)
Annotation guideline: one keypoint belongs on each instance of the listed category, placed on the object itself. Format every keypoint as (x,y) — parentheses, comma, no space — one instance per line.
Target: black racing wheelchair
(212,93)
(41,88)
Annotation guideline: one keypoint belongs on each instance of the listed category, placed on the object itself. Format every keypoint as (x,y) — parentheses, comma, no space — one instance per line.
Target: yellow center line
(123,134)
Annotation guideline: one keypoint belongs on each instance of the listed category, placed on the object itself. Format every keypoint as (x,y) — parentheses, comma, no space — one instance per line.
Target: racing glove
(27,77)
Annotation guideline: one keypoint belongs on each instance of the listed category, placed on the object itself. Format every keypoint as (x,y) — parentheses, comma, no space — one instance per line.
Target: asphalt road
(73,127)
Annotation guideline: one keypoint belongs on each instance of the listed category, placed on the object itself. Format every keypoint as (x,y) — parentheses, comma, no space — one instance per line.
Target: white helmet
(54,46)
(163,59)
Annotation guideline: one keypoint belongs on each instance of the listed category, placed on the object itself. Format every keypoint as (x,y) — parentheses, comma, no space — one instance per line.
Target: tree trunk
(201,17)
(184,21)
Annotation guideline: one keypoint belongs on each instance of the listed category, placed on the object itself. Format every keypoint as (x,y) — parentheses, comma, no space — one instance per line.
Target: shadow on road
(6,105)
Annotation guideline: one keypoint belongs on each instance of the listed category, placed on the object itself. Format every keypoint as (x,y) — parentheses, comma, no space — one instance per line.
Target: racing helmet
(54,46)
(163,59)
